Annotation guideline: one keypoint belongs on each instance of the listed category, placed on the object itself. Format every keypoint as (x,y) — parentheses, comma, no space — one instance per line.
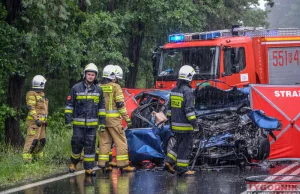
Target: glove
(101,128)
(129,123)
(38,123)
(46,123)
(69,126)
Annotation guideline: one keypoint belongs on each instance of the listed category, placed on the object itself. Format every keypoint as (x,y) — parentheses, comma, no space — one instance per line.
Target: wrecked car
(230,130)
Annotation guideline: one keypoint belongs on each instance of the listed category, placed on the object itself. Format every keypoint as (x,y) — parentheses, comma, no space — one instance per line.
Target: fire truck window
(234,57)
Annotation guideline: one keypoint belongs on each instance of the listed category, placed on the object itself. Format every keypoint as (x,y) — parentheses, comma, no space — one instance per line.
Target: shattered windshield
(205,61)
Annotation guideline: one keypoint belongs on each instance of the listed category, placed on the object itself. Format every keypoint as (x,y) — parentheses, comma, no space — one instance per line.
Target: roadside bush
(56,155)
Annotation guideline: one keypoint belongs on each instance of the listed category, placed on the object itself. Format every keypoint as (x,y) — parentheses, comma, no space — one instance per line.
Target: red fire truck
(240,56)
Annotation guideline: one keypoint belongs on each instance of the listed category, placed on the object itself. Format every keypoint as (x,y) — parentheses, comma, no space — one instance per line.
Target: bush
(56,155)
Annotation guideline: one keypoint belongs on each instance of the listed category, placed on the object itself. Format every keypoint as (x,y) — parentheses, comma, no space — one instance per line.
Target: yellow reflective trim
(103,157)
(31,112)
(101,113)
(192,117)
(68,111)
(31,102)
(32,132)
(92,123)
(176,98)
(110,153)
(78,122)
(172,156)
(119,97)
(182,164)
(280,39)
(113,114)
(89,159)
(110,101)
(27,156)
(101,125)
(95,98)
(107,89)
(123,110)
(31,118)
(169,114)
(39,97)
(183,128)
(75,157)
(122,157)
(80,97)
(31,97)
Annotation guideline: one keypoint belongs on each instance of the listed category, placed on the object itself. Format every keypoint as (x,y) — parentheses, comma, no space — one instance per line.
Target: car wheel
(263,149)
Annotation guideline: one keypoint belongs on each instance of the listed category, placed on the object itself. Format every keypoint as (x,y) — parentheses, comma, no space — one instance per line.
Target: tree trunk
(13,7)
(13,135)
(111,6)
(134,51)
(82,5)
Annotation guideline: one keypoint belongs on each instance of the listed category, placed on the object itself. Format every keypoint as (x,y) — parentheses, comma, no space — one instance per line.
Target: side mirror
(235,69)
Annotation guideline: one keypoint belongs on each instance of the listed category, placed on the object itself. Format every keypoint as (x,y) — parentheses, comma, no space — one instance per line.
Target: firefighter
(115,108)
(182,116)
(85,110)
(36,121)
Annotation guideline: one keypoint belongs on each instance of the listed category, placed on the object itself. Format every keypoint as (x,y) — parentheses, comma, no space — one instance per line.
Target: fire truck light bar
(241,31)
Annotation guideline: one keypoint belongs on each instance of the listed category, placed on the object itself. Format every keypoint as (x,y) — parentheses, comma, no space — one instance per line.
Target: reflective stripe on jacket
(85,106)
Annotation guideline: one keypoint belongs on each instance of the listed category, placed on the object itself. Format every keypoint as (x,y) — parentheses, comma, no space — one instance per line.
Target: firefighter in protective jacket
(36,121)
(115,108)
(183,122)
(85,110)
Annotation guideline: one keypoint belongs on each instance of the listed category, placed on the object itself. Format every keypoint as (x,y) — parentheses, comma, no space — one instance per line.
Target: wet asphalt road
(226,180)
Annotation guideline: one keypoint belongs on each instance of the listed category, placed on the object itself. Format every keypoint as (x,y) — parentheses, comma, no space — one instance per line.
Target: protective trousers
(83,138)
(35,141)
(181,151)
(117,135)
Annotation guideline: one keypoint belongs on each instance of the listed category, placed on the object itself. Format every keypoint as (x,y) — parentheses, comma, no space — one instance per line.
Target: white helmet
(186,72)
(110,72)
(119,73)
(91,67)
(38,82)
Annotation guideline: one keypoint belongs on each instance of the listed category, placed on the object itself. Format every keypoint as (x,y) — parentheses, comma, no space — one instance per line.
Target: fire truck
(239,57)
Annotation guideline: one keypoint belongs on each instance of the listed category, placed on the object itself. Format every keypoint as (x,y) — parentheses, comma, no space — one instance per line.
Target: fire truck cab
(238,57)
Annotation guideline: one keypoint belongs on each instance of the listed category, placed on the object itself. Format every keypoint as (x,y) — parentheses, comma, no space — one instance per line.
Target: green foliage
(56,155)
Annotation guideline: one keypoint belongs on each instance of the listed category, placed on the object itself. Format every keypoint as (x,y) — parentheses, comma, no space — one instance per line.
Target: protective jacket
(182,109)
(114,104)
(37,106)
(85,106)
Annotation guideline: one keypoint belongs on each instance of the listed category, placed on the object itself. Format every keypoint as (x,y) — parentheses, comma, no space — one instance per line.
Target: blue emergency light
(176,38)
(210,35)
